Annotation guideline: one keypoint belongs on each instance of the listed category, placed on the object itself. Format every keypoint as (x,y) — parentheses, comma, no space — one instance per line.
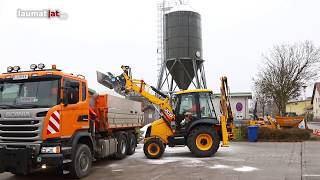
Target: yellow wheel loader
(187,118)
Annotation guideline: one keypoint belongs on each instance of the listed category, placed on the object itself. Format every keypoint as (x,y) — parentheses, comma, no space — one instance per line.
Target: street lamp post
(305,106)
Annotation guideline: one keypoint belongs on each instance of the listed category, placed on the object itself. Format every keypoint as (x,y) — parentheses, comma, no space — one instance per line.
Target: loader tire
(121,147)
(153,148)
(81,162)
(131,144)
(203,141)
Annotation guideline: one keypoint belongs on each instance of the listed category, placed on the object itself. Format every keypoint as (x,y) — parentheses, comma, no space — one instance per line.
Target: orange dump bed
(289,122)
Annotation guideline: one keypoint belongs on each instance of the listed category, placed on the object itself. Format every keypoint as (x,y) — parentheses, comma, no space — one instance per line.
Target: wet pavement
(241,161)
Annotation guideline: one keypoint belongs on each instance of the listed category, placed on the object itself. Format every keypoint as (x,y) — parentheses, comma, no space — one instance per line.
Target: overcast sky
(103,35)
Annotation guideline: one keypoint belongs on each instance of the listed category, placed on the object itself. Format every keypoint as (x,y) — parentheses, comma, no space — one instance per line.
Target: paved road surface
(314,125)
(242,161)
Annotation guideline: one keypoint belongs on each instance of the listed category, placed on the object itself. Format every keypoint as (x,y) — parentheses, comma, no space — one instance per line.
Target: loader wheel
(121,147)
(153,148)
(203,141)
(81,162)
(131,144)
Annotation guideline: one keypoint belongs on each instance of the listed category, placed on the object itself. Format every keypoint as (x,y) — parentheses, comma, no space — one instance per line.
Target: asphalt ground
(241,161)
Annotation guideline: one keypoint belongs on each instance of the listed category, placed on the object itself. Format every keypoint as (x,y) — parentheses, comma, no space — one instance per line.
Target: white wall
(243,114)
(316,104)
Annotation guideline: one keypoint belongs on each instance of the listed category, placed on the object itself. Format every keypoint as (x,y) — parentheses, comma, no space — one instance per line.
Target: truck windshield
(28,94)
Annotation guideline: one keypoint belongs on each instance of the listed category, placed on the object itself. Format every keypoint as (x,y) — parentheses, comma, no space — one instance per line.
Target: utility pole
(305,106)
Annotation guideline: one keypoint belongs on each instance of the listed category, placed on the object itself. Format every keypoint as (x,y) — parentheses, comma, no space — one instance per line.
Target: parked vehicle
(51,118)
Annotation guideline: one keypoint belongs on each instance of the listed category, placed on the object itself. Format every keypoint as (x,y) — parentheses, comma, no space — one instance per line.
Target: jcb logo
(168,113)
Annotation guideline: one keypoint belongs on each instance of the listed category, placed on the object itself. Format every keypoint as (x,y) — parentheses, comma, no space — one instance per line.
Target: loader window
(188,104)
(206,106)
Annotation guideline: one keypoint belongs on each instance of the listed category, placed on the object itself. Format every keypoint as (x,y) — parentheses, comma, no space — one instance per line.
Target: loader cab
(196,104)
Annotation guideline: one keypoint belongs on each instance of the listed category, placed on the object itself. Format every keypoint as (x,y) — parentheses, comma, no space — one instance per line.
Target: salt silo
(182,41)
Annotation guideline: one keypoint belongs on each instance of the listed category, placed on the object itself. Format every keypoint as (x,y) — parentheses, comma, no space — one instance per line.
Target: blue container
(253,133)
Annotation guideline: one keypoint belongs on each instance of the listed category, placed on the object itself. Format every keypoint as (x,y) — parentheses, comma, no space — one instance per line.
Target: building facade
(298,106)
(239,104)
(315,101)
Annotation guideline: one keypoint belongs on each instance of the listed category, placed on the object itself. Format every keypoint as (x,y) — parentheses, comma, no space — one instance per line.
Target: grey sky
(103,35)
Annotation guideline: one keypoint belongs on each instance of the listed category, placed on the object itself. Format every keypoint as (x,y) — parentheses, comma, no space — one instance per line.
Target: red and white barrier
(316,132)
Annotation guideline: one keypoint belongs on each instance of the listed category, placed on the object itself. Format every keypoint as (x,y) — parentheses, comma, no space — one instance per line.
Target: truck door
(75,109)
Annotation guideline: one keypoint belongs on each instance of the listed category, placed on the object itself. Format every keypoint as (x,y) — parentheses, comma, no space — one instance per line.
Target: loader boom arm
(139,87)
(226,119)
(124,84)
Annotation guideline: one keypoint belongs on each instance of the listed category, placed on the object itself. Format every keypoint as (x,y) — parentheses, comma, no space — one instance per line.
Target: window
(84,91)
(71,91)
(187,104)
(42,93)
(206,106)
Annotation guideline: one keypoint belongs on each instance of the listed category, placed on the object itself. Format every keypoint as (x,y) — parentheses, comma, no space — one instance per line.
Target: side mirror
(71,96)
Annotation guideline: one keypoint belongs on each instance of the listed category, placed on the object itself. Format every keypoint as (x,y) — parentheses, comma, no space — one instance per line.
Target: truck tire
(203,141)
(153,148)
(81,162)
(131,144)
(121,147)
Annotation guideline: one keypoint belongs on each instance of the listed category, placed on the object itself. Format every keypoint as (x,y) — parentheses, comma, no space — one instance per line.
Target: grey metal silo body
(183,46)
(183,34)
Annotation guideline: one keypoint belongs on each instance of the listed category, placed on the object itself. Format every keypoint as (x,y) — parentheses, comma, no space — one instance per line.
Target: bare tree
(285,70)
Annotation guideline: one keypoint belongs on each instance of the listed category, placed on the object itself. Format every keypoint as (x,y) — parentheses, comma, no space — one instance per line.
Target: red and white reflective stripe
(54,123)
(316,132)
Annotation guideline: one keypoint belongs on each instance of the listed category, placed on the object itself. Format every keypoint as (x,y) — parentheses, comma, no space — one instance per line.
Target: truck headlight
(51,150)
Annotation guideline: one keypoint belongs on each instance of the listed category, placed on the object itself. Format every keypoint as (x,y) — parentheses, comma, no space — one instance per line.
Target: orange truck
(49,118)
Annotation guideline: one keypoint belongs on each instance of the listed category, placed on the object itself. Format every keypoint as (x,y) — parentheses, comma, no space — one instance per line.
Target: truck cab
(34,106)
(50,118)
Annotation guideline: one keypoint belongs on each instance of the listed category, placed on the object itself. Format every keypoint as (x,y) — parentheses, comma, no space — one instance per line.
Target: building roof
(297,101)
(193,91)
(237,94)
(315,87)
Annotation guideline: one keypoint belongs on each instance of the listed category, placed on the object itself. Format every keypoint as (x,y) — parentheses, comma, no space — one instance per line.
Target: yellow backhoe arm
(226,119)
(139,87)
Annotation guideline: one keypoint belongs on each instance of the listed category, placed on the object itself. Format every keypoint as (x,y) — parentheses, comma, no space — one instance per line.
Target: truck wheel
(81,162)
(131,144)
(203,141)
(121,147)
(153,148)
